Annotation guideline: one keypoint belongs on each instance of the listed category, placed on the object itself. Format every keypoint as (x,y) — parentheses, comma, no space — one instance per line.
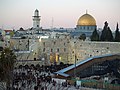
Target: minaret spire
(86,11)
(117,26)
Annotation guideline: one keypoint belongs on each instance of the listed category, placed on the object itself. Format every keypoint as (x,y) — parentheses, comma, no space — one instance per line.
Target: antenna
(86,11)
(52,23)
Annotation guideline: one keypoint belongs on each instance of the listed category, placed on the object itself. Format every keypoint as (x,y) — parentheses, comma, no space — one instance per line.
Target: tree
(117,34)
(95,36)
(106,33)
(7,60)
(11,33)
(1,38)
(82,37)
(110,36)
(21,29)
(61,63)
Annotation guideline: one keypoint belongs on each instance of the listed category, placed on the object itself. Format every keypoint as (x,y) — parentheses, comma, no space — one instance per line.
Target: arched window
(84,27)
(43,49)
(80,27)
(51,50)
(88,28)
(64,49)
(43,43)
(37,25)
(54,42)
(57,49)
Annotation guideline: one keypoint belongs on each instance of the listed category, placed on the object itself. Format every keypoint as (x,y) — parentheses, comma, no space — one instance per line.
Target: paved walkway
(60,87)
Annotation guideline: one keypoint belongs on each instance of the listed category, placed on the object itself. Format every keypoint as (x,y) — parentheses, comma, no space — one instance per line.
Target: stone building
(67,50)
(64,50)
(59,45)
(86,24)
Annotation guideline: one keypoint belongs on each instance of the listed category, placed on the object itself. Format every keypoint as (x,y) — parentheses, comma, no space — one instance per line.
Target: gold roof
(86,20)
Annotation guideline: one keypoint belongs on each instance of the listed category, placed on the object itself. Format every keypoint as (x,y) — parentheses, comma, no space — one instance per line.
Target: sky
(65,13)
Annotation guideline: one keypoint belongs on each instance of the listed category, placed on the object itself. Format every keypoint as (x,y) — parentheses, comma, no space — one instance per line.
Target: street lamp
(75,67)
(74,64)
(43,60)
(75,60)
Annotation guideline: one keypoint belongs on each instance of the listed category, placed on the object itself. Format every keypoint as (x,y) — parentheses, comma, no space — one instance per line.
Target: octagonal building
(86,24)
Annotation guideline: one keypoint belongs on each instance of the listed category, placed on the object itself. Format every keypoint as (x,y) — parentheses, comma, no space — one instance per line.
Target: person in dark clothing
(36,88)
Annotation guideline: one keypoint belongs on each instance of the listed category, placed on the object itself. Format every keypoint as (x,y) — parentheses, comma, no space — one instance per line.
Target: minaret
(36,19)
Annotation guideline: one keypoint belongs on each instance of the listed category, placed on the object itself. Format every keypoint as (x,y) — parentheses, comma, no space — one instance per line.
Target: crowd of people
(31,77)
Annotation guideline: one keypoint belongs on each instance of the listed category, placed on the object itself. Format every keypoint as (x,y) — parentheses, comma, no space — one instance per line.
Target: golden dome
(86,20)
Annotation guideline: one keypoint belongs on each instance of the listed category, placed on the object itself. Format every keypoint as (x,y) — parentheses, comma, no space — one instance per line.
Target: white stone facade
(64,50)
(36,19)
(68,49)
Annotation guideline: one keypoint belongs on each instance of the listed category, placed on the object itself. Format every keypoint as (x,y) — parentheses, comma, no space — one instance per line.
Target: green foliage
(82,37)
(61,63)
(95,36)
(106,33)
(7,60)
(11,34)
(117,34)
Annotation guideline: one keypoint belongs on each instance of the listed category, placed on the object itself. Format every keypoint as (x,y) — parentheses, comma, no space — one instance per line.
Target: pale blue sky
(18,13)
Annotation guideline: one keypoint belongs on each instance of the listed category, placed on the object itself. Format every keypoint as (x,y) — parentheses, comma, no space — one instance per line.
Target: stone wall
(79,50)
(65,50)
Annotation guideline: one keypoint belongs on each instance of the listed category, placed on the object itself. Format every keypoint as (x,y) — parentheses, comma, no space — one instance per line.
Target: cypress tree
(82,37)
(95,36)
(117,34)
(106,33)
(109,34)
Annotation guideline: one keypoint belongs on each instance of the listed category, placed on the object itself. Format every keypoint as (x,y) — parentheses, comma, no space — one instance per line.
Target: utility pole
(75,59)
(75,68)
(52,23)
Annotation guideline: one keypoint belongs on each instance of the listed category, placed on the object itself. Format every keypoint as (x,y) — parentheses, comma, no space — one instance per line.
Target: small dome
(86,20)
(36,13)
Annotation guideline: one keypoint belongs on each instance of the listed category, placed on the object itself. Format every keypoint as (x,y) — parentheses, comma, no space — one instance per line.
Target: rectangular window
(43,43)
(54,42)
(64,49)
(88,27)
(58,50)
(84,27)
(51,50)
(43,49)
